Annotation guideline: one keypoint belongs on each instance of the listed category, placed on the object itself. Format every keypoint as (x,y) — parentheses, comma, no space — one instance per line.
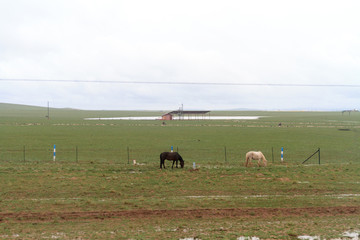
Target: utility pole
(48,111)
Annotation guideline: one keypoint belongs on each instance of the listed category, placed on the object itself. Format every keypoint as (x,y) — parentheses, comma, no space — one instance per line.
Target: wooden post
(319,155)
(225,154)
(128,153)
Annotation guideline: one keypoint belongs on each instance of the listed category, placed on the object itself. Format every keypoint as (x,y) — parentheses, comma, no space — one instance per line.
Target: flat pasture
(93,191)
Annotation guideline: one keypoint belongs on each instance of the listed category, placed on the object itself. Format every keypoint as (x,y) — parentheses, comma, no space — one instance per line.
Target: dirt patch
(284,179)
(188,213)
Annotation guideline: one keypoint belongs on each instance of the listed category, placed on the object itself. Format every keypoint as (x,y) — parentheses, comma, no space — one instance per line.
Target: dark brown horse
(174,156)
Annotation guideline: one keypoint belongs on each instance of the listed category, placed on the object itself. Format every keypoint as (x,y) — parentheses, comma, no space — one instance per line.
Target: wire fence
(126,155)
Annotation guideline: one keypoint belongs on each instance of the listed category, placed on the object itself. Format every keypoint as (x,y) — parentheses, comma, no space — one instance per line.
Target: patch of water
(270,196)
(175,118)
(239,238)
(189,239)
(309,237)
(248,238)
(346,236)
(352,235)
(344,195)
(125,118)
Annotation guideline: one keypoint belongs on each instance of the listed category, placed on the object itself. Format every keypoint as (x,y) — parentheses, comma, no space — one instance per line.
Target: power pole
(48,111)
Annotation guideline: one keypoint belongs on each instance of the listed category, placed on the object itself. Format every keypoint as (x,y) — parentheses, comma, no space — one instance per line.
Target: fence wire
(126,155)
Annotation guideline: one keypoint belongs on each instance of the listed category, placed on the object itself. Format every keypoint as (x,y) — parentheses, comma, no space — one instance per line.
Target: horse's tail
(162,160)
(247,158)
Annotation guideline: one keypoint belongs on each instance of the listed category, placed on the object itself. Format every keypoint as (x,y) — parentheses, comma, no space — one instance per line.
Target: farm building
(167,116)
(186,115)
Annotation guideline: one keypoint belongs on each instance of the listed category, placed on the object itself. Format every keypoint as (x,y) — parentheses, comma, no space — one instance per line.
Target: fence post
(225,154)
(128,153)
(54,156)
(319,155)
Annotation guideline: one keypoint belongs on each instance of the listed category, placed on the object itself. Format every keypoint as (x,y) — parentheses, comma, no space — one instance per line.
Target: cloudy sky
(124,55)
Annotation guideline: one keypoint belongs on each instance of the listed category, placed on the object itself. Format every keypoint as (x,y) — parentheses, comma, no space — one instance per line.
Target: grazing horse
(252,155)
(174,156)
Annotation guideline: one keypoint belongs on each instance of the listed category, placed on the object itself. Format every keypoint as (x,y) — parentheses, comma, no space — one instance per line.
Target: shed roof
(188,112)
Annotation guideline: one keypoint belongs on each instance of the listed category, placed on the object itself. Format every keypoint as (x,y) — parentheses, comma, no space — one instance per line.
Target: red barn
(167,116)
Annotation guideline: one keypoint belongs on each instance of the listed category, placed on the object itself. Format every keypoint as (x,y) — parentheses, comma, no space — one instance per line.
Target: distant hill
(11,106)
(10,111)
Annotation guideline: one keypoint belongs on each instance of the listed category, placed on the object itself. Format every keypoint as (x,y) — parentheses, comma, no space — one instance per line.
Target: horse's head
(182,163)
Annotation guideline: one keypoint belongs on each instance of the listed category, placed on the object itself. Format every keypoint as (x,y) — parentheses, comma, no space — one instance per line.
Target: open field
(96,194)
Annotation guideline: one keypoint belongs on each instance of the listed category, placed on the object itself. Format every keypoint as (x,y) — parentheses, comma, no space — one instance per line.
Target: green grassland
(99,175)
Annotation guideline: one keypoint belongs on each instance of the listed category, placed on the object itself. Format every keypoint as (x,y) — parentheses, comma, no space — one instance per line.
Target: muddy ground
(188,213)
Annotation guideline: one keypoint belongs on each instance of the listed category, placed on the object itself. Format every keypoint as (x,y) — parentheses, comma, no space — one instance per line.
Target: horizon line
(179,83)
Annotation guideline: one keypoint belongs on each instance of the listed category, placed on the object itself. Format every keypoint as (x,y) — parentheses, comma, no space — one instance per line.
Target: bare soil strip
(186,213)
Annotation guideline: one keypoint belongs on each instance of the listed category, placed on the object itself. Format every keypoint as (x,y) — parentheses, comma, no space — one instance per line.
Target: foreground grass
(55,187)
(158,228)
(80,187)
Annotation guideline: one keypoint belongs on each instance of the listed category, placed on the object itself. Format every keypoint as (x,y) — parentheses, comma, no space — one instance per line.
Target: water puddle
(176,118)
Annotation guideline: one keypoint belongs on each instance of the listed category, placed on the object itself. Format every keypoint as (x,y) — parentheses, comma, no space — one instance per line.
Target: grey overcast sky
(109,54)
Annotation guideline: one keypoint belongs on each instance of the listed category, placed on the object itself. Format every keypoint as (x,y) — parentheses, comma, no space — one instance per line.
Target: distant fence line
(126,154)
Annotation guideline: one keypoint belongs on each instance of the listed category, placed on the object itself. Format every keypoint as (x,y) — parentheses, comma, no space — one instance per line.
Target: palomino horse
(174,156)
(252,155)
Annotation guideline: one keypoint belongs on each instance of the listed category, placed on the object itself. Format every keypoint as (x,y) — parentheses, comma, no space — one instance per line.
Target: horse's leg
(177,163)
(173,164)
(250,161)
(246,162)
